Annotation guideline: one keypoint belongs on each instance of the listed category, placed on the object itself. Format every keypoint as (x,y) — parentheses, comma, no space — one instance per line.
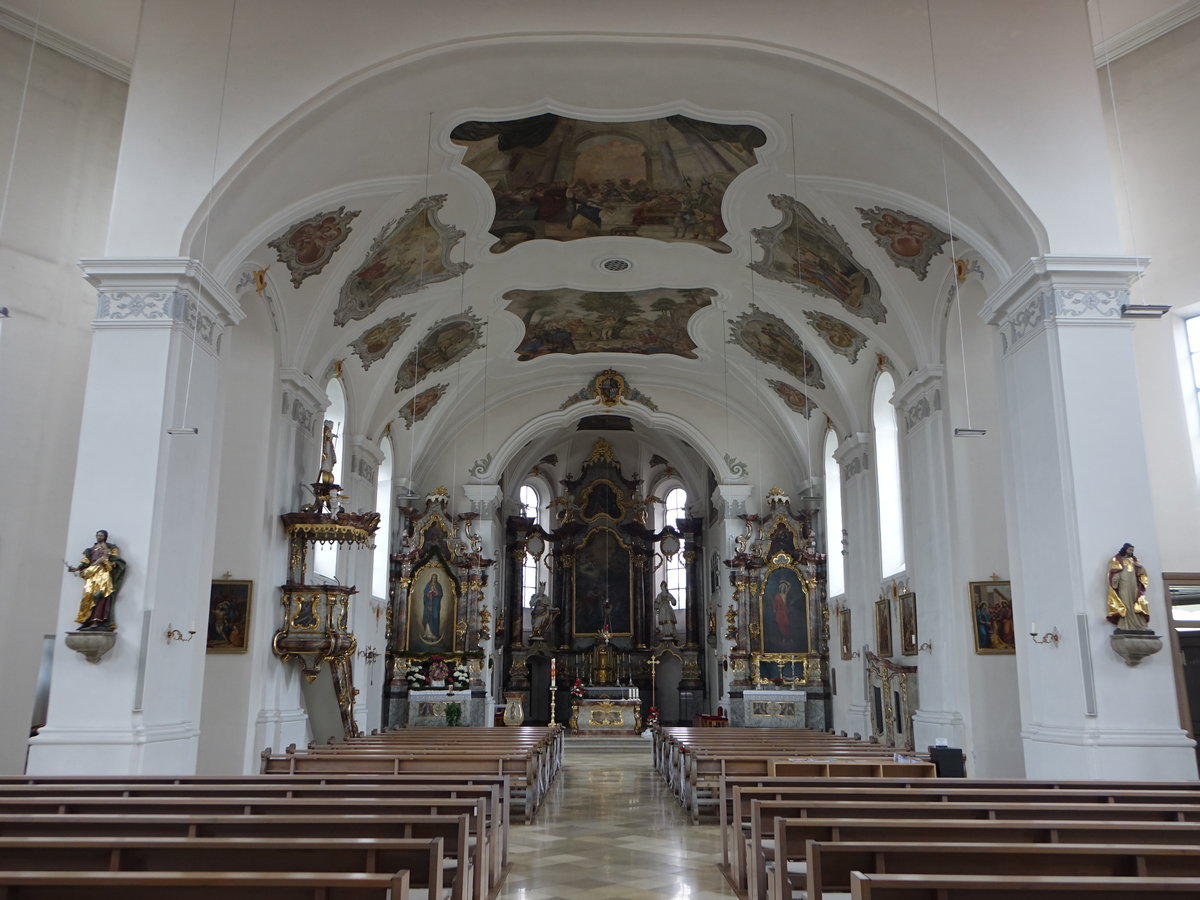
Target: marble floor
(611,829)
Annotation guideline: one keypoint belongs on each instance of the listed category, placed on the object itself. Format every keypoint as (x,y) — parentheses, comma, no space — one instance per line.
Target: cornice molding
(1084,273)
(1144,32)
(68,47)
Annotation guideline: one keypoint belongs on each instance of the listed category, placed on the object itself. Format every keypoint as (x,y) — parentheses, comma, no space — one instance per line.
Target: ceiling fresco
(840,337)
(908,241)
(306,246)
(421,405)
(562,179)
(564,320)
(771,340)
(797,401)
(807,252)
(447,341)
(407,254)
(374,343)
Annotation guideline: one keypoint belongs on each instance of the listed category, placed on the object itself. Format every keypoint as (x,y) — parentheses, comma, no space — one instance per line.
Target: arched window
(531,506)
(383,505)
(833,518)
(887,473)
(325,556)
(675,507)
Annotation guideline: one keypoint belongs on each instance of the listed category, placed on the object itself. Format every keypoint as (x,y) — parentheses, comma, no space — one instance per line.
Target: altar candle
(552,669)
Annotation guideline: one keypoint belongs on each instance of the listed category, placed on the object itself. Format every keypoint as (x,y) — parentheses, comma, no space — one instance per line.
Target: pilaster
(930,549)
(855,457)
(1076,472)
(150,439)
(731,501)
(367,615)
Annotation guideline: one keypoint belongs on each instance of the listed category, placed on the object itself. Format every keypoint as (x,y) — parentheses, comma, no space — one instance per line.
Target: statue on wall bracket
(1132,638)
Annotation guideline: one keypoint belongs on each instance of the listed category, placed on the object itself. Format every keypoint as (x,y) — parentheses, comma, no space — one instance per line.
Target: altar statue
(664,613)
(101,569)
(542,614)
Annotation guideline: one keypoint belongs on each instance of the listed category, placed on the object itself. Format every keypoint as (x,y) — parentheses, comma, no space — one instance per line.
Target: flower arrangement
(438,670)
(415,675)
(652,718)
(577,688)
(461,676)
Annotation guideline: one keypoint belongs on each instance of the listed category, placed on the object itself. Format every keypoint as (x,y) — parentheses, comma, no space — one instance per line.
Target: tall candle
(552,668)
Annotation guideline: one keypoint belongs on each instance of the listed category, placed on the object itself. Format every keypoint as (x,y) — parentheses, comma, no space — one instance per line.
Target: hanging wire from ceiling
(412,403)
(969,430)
(1128,310)
(12,159)
(183,428)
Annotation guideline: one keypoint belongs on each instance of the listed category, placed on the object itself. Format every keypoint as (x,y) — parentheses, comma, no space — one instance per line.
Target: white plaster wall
(1034,51)
(247,532)
(56,212)
(993,722)
(1154,87)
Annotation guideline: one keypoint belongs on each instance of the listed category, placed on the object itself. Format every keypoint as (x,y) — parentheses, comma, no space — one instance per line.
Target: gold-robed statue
(1127,607)
(102,570)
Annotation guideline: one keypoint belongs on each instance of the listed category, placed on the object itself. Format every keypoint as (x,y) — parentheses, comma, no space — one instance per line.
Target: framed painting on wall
(229,616)
(844,632)
(883,627)
(432,609)
(992,616)
(783,609)
(908,624)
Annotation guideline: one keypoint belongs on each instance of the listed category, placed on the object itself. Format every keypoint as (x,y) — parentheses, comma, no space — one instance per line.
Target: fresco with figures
(771,340)
(569,321)
(806,251)
(563,179)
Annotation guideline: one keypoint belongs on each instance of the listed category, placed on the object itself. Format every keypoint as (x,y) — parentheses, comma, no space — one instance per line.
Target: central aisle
(610,829)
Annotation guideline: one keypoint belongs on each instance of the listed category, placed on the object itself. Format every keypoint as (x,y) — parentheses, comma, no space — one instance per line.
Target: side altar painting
(432,603)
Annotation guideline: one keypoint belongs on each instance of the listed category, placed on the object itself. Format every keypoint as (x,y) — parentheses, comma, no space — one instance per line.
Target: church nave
(610,829)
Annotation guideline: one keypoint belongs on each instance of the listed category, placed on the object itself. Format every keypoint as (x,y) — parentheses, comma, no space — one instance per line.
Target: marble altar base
(606,716)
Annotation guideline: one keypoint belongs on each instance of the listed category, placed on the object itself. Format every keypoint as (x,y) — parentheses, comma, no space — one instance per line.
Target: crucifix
(652,662)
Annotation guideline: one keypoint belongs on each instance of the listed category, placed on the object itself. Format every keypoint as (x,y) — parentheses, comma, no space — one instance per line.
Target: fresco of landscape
(565,320)
(563,179)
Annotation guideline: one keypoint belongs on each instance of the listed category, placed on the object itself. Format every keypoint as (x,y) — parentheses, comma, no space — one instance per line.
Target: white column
(730,501)
(487,500)
(155,367)
(368,619)
(860,519)
(1077,479)
(930,554)
(282,718)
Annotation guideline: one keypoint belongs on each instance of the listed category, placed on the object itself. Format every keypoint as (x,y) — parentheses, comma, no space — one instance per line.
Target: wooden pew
(453,830)
(351,789)
(792,835)
(1016,887)
(830,864)
(422,857)
(476,848)
(760,848)
(33,885)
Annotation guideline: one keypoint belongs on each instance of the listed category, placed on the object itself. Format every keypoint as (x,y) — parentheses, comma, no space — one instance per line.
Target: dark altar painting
(229,616)
(432,604)
(784,612)
(563,179)
(883,626)
(564,320)
(992,616)
(603,575)
(908,624)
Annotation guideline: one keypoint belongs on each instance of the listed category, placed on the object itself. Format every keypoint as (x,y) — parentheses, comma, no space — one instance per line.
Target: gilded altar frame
(791,669)
(433,574)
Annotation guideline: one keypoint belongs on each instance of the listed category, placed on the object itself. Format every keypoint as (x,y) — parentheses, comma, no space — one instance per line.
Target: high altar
(598,619)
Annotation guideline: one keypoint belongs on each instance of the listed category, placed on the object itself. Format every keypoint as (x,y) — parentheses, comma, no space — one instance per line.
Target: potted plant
(453,715)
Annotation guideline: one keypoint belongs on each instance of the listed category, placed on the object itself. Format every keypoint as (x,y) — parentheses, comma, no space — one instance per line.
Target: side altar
(594,715)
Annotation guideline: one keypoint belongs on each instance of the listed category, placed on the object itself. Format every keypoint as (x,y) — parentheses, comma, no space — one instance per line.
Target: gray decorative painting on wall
(374,343)
(807,252)
(796,400)
(908,241)
(445,343)
(771,340)
(407,254)
(840,337)
(419,407)
(307,246)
